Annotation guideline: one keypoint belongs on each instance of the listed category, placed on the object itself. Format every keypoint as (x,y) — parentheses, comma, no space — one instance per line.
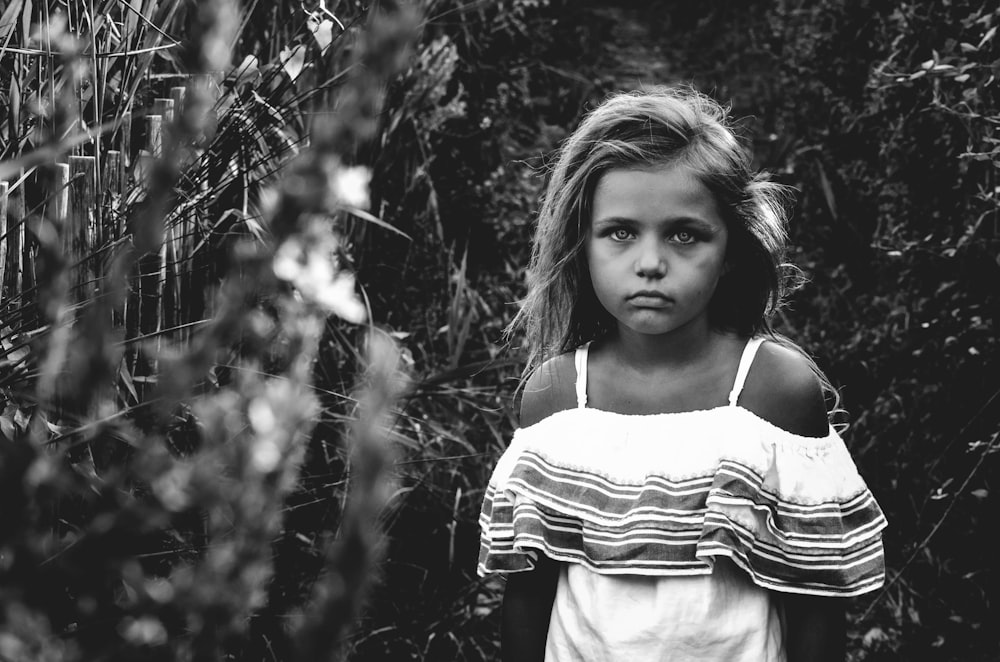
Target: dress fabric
(678,530)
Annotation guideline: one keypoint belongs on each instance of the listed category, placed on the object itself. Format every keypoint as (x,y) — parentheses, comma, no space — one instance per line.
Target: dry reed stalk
(81,227)
(112,184)
(61,190)
(148,239)
(163,283)
(16,238)
(4,188)
(125,141)
(171,306)
(237,561)
(154,135)
(164,107)
(177,95)
(110,198)
(166,289)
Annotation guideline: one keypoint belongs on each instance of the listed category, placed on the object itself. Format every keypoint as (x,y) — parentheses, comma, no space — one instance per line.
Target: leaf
(7,428)
(126,380)
(365,216)
(322,31)
(293,61)
(15,354)
(247,72)
(986,37)
(981,493)
(873,636)
(21,419)
(14,105)
(7,23)
(58,430)
(824,182)
(26,18)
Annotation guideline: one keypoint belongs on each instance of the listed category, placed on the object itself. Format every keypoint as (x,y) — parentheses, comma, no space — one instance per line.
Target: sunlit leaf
(987,37)
(293,61)
(322,30)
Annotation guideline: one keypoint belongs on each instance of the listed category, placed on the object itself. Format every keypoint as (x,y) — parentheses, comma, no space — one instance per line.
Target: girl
(675,491)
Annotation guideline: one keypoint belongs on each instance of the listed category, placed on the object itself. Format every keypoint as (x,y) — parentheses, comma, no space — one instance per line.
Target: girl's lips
(649,299)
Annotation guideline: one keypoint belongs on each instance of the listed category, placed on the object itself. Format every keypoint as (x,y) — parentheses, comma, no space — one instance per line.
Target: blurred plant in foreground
(164,552)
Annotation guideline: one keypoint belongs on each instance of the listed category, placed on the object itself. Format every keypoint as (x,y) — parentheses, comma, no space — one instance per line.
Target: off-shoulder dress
(678,530)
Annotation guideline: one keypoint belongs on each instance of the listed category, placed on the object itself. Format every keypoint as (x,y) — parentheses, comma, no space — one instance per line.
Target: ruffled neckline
(832,436)
(666,494)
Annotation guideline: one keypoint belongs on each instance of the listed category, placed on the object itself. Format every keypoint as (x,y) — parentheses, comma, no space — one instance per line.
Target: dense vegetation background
(127,400)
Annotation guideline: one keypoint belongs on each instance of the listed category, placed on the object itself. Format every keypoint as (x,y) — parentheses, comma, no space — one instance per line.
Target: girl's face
(656,248)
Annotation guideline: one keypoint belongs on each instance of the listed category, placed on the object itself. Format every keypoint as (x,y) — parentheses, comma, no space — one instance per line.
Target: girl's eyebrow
(683,221)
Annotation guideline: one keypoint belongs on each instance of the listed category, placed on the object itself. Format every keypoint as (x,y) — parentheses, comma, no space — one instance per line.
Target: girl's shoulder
(550,388)
(783,388)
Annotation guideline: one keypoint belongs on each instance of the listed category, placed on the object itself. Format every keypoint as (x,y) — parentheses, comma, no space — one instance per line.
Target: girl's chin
(656,323)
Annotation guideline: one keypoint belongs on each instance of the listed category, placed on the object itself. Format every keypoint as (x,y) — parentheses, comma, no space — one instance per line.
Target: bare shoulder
(549,389)
(782,389)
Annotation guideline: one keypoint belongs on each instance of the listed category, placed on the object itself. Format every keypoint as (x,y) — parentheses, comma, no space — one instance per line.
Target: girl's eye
(621,234)
(684,237)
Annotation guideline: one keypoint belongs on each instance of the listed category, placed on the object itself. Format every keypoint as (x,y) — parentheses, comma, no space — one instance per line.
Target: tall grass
(169,365)
(173,248)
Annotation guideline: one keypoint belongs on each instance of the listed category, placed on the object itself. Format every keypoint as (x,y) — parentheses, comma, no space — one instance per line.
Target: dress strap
(744,369)
(581,376)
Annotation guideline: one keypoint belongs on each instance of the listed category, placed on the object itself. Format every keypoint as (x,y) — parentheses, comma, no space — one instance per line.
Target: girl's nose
(650,262)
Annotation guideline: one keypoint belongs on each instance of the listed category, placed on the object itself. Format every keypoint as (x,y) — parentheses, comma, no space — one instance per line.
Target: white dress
(677,529)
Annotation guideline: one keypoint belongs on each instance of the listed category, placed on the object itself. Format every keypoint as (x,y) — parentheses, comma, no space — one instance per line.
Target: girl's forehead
(674,182)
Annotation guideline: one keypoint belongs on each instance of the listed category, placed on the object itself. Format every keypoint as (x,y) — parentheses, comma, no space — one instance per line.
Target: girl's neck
(683,346)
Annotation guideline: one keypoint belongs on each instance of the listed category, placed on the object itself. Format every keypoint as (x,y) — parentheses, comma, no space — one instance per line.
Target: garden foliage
(189,426)
(894,108)
(143,491)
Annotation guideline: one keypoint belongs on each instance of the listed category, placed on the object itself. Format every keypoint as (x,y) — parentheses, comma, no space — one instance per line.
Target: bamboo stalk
(81,229)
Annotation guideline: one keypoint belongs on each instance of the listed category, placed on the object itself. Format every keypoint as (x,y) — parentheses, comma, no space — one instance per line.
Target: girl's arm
(528,598)
(782,389)
(815,629)
(527,606)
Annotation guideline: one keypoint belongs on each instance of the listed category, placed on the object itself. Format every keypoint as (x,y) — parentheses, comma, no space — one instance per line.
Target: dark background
(882,115)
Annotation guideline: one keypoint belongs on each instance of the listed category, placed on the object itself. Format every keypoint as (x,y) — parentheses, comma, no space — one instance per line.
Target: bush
(895,157)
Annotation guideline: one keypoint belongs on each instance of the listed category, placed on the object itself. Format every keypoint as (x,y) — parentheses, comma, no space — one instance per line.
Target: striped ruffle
(741,508)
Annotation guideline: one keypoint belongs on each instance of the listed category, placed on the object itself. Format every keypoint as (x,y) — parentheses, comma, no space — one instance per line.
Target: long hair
(675,126)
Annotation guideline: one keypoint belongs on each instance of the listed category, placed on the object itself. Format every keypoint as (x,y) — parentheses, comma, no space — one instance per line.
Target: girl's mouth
(649,299)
